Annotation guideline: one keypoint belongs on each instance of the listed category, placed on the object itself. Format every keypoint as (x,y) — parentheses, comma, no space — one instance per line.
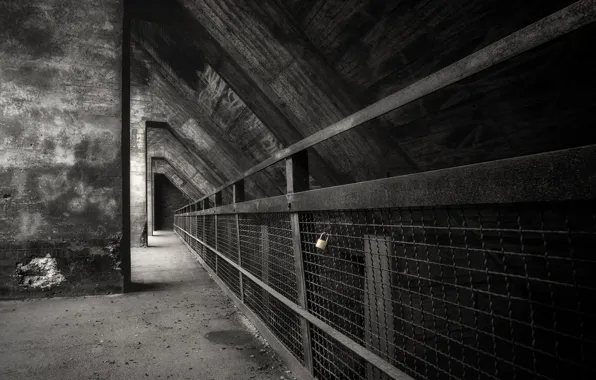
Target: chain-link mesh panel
(201,236)
(227,236)
(267,251)
(210,230)
(185,223)
(211,259)
(490,292)
(332,360)
(192,221)
(229,275)
(282,321)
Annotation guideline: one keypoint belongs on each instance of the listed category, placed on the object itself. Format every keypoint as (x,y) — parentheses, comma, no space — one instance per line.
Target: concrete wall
(60,157)
(142,110)
(162,166)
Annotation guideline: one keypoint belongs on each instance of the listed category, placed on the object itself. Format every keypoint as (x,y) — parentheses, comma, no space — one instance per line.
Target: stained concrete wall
(60,136)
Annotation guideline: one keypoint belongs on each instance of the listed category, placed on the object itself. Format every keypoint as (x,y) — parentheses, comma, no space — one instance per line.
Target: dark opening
(167,199)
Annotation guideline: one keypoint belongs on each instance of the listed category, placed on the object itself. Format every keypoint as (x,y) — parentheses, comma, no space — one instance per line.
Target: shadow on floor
(136,287)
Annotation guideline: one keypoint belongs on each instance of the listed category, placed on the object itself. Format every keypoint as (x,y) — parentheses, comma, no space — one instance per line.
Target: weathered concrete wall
(205,113)
(168,198)
(141,110)
(60,133)
(162,166)
(163,145)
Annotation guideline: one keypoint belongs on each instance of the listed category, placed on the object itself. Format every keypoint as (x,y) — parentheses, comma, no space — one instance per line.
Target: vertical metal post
(378,308)
(297,179)
(195,232)
(238,196)
(204,205)
(218,202)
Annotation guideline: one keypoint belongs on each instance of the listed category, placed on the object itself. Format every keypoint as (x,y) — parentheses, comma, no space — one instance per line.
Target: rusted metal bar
(297,177)
(566,20)
(554,176)
(218,203)
(239,196)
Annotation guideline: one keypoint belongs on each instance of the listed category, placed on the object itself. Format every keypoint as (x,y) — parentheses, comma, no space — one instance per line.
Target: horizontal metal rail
(555,25)
(365,354)
(555,176)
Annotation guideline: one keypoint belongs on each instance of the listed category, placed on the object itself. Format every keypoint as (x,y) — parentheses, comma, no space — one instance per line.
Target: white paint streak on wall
(192,129)
(87,195)
(18,182)
(52,187)
(217,88)
(29,224)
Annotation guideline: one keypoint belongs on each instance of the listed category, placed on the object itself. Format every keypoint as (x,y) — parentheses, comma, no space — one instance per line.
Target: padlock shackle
(324,233)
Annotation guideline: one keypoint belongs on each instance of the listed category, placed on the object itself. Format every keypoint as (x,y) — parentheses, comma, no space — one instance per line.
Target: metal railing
(476,272)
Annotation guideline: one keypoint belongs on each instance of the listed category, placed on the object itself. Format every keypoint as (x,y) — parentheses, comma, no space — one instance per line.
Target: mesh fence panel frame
(229,275)
(451,309)
(267,251)
(281,320)
(467,292)
(227,236)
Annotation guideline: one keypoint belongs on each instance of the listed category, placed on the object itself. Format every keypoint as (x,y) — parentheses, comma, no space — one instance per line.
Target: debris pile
(39,273)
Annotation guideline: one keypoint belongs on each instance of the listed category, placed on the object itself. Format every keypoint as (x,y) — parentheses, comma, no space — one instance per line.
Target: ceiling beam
(180,26)
(190,122)
(160,142)
(285,66)
(162,165)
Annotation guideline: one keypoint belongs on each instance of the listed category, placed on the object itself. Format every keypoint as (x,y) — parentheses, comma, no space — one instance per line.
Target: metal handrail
(564,21)
(532,178)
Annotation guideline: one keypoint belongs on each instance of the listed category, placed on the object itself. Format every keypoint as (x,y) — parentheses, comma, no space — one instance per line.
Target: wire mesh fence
(283,322)
(499,291)
(229,275)
(267,252)
(227,236)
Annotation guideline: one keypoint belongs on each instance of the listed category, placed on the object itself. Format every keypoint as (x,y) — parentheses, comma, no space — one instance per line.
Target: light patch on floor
(40,273)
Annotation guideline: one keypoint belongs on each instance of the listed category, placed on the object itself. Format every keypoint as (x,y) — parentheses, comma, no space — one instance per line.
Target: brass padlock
(322,244)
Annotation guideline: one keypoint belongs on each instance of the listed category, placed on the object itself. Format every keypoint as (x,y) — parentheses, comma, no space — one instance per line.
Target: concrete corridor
(176,324)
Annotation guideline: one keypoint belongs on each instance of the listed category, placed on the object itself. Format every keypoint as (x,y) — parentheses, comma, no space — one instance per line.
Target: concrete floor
(177,324)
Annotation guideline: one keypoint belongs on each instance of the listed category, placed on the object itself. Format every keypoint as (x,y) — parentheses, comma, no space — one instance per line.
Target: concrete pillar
(150,200)
(138,169)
